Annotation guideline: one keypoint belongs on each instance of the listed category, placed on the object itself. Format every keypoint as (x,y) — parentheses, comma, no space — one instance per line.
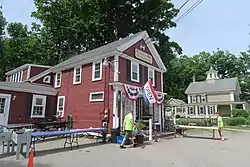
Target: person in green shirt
(128,127)
(220,125)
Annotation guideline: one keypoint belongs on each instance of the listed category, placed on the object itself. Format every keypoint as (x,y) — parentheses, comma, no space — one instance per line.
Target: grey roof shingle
(179,101)
(25,66)
(105,49)
(217,85)
(28,87)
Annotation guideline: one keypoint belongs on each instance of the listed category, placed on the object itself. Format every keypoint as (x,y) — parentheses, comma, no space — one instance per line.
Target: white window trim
(138,71)
(93,71)
(47,79)
(212,112)
(153,71)
(204,110)
(194,97)
(58,86)
(57,109)
(193,110)
(33,104)
(96,100)
(74,77)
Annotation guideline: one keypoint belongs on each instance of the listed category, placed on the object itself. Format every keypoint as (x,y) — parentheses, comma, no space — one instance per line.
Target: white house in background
(176,106)
(214,94)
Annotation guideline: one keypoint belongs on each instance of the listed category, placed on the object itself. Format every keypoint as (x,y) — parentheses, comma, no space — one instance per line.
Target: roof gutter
(82,62)
(27,90)
(223,91)
(24,67)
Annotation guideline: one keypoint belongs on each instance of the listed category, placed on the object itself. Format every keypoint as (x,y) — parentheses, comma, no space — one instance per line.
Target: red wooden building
(108,77)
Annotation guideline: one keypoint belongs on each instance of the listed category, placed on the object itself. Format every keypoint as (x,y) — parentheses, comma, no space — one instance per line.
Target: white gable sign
(143,56)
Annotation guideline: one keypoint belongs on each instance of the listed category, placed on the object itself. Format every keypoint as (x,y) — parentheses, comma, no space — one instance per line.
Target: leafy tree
(2,33)
(77,26)
(22,46)
(19,48)
(227,65)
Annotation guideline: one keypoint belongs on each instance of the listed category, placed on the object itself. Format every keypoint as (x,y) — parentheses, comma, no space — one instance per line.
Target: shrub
(248,122)
(234,121)
(240,113)
(140,125)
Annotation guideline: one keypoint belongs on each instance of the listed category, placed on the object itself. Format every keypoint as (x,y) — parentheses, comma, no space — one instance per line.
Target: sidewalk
(237,130)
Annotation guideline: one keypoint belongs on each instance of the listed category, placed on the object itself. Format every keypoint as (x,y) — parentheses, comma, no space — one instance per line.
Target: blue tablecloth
(65,132)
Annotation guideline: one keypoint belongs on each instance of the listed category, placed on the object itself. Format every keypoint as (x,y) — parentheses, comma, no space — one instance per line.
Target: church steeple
(212,74)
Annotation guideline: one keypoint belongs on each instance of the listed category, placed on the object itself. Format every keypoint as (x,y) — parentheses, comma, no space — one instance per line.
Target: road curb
(237,130)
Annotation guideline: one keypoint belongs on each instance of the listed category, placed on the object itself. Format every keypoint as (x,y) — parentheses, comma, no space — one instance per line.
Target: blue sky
(213,24)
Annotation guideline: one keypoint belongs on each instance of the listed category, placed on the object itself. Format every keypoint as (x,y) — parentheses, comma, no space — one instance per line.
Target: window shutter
(29,100)
(47,107)
(140,73)
(156,79)
(145,74)
(128,70)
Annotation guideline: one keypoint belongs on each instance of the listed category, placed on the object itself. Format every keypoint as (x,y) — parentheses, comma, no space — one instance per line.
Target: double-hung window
(11,78)
(58,80)
(60,106)
(21,76)
(15,79)
(151,76)
(97,71)
(135,72)
(18,76)
(38,106)
(77,75)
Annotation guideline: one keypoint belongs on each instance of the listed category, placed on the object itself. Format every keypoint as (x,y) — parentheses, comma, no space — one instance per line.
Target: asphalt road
(178,152)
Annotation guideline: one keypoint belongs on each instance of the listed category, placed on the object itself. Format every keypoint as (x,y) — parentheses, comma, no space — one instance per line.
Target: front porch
(206,110)
(124,103)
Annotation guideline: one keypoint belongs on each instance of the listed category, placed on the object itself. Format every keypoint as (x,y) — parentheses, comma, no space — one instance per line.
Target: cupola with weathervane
(212,74)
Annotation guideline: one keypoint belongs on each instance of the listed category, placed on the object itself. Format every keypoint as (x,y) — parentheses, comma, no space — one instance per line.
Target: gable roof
(28,87)
(177,101)
(23,67)
(218,85)
(114,48)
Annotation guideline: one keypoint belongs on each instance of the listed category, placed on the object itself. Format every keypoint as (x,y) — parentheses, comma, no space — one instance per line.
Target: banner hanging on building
(160,98)
(148,93)
(132,92)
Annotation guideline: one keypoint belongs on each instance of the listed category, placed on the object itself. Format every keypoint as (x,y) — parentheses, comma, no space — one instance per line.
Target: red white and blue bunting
(132,92)
(160,98)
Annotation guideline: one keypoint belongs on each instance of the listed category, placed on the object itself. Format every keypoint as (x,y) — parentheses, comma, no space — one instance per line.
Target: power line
(178,19)
(188,11)
(183,15)
(184,4)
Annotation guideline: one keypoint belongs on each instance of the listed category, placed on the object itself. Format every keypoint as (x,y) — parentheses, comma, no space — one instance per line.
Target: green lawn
(200,122)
